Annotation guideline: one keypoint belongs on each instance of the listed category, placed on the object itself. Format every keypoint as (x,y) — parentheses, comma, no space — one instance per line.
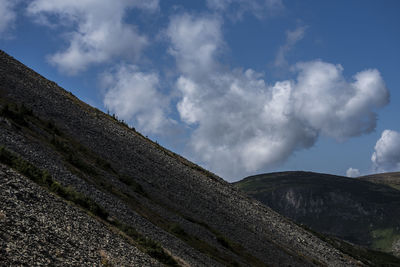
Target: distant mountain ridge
(126,190)
(355,210)
(389,178)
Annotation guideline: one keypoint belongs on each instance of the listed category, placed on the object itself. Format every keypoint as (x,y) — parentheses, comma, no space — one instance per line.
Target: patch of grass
(147,245)
(70,154)
(201,245)
(383,239)
(367,256)
(79,163)
(225,242)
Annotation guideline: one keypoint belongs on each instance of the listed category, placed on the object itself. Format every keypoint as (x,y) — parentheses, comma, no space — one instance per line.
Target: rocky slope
(360,212)
(118,183)
(38,227)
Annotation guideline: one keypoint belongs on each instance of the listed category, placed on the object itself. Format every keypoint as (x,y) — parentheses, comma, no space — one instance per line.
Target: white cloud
(237,8)
(241,124)
(352,173)
(7,15)
(195,42)
(336,107)
(99,32)
(292,37)
(134,96)
(387,152)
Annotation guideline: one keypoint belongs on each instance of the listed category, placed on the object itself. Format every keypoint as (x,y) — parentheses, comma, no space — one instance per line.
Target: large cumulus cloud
(241,123)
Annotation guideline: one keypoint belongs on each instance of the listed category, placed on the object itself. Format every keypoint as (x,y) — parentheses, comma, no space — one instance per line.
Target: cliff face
(123,191)
(360,212)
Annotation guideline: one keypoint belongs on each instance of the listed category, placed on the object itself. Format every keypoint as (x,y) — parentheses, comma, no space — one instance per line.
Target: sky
(240,87)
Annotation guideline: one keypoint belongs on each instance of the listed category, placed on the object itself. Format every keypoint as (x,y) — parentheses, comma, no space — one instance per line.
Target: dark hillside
(167,206)
(360,212)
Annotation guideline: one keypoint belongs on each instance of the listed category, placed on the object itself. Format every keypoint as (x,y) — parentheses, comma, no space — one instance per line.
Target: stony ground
(38,228)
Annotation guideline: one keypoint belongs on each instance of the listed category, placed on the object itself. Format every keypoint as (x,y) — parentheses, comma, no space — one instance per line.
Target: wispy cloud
(7,15)
(292,37)
(236,9)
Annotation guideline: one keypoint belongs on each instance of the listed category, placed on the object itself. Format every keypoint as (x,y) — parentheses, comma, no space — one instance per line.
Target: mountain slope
(48,223)
(389,178)
(171,209)
(361,212)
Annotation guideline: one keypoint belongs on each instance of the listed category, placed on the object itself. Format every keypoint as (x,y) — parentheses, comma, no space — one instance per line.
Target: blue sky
(239,86)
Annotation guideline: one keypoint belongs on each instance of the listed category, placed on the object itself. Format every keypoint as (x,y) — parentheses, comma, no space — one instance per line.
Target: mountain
(354,210)
(389,178)
(80,187)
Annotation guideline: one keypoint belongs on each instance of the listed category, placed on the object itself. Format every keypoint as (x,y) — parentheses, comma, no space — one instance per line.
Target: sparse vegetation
(78,156)
(105,165)
(225,242)
(383,239)
(43,178)
(367,256)
(16,113)
(177,230)
(147,245)
(136,187)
